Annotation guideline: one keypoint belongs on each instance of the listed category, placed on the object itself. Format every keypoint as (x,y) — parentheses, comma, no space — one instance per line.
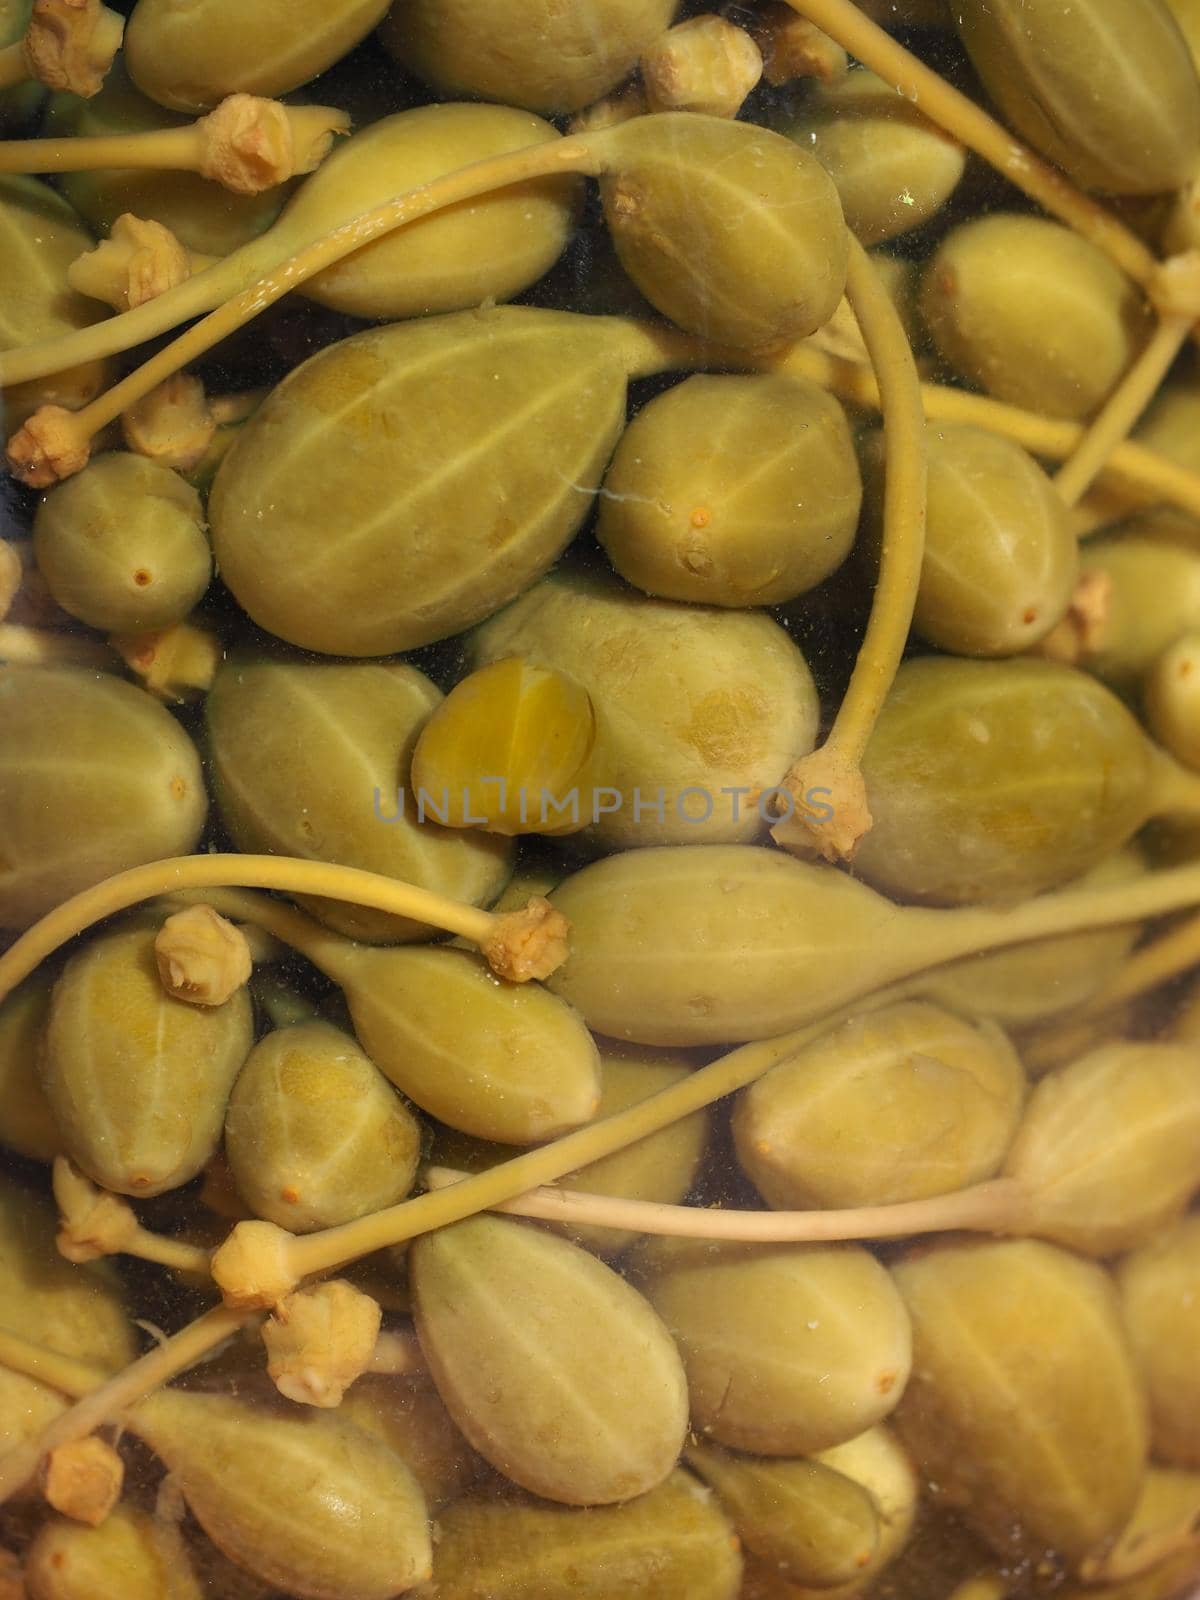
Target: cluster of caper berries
(598,814)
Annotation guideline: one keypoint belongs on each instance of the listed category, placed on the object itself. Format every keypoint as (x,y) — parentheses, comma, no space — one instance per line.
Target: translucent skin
(487,249)
(1109,93)
(732,491)
(1032,313)
(996,780)
(128,761)
(411,470)
(1020,1369)
(777,276)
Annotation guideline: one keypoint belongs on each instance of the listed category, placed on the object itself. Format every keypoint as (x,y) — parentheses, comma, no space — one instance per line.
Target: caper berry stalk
(1167,957)
(519,945)
(69,45)
(658,178)
(246,144)
(96,1223)
(834,772)
(259,1264)
(1104,1156)
(313,1504)
(1143,474)
(1002,38)
(653,172)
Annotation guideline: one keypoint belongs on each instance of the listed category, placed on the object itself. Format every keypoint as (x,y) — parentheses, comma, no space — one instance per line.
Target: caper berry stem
(1148,476)
(259,1262)
(97,1404)
(517,944)
(991,1207)
(95,1223)
(64,1373)
(247,144)
(55,443)
(258,1257)
(191,298)
(263,269)
(69,46)
(1155,964)
(833,770)
(973,127)
(1124,406)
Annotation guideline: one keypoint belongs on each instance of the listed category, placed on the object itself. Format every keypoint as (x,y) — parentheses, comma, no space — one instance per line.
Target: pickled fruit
(556,1369)
(542,56)
(307,1502)
(41,237)
(994,780)
(488,249)
(1001,558)
(1109,96)
(26,1123)
(660,1168)
(314,1134)
(1160,1298)
(193,58)
(748,943)
(901,1103)
(1150,589)
(1020,1369)
(732,492)
(122,547)
(131,1553)
(75,1310)
(311,759)
(1172,712)
(1032,313)
(812,1524)
(1109,1146)
(789,1349)
(137,1081)
(672,1543)
(698,711)
(1034,981)
(501,1060)
(370,458)
(893,168)
(776,277)
(125,761)
(410,1418)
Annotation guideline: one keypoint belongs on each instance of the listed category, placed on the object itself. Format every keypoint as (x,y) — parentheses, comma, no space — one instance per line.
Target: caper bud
(121,545)
(732,491)
(1032,313)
